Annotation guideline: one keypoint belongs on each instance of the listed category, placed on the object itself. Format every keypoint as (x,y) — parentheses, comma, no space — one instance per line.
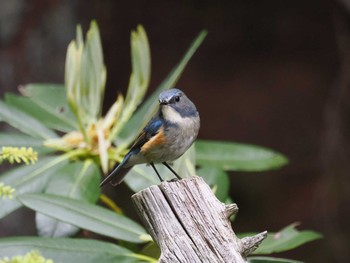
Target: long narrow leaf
(66,250)
(237,156)
(139,78)
(23,140)
(84,215)
(50,99)
(78,180)
(286,239)
(93,74)
(148,108)
(143,176)
(72,79)
(48,118)
(217,179)
(271,260)
(103,145)
(28,179)
(24,122)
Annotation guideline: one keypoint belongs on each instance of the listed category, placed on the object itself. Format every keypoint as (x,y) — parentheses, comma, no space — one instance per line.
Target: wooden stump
(190,224)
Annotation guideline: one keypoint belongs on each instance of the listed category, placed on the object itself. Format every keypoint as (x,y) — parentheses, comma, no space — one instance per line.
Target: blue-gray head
(177,100)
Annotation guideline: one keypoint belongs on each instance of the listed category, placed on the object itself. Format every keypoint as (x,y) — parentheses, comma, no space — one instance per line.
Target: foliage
(271,260)
(31,257)
(286,239)
(67,249)
(88,216)
(65,126)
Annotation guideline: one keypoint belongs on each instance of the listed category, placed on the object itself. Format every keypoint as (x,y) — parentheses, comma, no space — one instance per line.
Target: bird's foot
(173,180)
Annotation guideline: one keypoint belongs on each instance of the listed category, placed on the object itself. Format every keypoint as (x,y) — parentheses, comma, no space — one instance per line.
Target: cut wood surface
(190,224)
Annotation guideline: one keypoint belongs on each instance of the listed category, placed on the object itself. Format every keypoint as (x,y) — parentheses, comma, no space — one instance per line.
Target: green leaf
(51,97)
(93,74)
(286,239)
(67,250)
(218,179)
(22,140)
(271,260)
(151,249)
(142,176)
(132,128)
(78,180)
(85,78)
(28,179)
(185,166)
(84,215)
(139,78)
(29,107)
(72,78)
(24,122)
(103,146)
(237,157)
(47,103)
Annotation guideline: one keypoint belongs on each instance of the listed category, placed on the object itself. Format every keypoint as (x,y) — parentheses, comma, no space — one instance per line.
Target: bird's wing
(150,130)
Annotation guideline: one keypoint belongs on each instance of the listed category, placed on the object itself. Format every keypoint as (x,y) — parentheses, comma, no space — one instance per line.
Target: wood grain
(190,224)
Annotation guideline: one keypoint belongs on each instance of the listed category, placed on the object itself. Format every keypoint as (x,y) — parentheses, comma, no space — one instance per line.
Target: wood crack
(190,224)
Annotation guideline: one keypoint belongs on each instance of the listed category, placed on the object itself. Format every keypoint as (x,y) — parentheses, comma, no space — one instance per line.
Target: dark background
(272,73)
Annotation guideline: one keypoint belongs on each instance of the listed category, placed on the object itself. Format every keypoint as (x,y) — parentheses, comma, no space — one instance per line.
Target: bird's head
(174,102)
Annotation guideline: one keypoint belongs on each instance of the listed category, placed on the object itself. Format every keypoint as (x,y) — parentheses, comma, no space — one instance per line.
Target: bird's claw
(173,180)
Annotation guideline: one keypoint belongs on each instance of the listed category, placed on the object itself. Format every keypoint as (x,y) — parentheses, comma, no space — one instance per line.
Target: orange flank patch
(156,141)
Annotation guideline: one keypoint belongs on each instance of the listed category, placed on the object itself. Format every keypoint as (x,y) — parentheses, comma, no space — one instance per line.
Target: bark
(190,224)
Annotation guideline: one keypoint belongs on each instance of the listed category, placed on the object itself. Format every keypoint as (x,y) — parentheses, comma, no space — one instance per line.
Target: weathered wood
(190,224)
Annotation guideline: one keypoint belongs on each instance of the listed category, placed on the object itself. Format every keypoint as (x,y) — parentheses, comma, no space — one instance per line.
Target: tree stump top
(190,224)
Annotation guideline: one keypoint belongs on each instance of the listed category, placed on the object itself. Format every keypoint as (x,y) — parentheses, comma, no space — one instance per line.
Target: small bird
(166,137)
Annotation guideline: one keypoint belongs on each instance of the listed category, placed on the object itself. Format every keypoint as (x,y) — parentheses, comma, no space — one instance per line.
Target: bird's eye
(177,98)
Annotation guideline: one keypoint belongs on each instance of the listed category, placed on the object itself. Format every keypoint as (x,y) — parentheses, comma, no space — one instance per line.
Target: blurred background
(271,73)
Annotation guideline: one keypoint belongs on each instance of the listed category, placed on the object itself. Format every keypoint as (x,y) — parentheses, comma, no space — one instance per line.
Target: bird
(166,137)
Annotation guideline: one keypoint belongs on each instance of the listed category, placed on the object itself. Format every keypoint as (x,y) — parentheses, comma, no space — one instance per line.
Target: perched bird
(165,138)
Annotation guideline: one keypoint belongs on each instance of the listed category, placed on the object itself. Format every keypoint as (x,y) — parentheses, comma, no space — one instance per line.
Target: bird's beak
(163,102)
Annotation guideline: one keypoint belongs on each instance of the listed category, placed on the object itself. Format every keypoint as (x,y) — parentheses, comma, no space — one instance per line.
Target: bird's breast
(171,142)
(181,135)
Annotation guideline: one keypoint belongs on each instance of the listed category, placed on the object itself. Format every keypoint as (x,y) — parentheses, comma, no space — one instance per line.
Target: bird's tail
(117,175)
